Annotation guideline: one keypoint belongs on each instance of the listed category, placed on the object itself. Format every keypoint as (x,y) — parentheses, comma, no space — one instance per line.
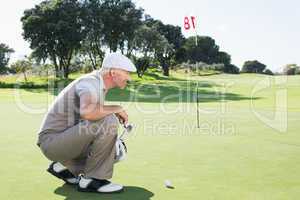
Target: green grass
(233,155)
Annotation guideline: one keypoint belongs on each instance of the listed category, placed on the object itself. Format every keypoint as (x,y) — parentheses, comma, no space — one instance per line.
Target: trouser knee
(106,127)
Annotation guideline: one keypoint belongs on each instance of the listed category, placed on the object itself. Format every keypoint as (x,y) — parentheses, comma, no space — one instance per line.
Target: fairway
(239,152)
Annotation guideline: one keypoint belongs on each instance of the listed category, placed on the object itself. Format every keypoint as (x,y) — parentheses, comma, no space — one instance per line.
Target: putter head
(128,127)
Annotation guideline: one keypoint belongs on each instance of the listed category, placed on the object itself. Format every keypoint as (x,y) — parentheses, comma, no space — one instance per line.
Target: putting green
(237,153)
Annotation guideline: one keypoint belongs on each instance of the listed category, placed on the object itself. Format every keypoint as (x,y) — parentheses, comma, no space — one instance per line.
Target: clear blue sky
(266,30)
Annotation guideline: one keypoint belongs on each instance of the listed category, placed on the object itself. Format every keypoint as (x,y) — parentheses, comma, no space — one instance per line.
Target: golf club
(127,129)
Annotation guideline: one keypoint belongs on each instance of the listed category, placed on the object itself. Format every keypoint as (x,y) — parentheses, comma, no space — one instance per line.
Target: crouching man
(79,132)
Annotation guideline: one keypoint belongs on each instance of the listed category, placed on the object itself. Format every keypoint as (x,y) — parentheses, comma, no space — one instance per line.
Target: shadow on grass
(158,91)
(130,193)
(174,92)
(27,85)
(32,85)
(160,77)
(52,86)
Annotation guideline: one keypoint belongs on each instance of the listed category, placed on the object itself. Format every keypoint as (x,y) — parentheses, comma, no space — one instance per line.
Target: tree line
(58,30)
(65,31)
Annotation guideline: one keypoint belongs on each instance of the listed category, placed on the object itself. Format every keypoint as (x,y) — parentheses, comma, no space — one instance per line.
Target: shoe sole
(95,191)
(52,172)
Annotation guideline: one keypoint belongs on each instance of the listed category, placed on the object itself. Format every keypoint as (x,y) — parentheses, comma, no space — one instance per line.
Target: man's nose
(128,80)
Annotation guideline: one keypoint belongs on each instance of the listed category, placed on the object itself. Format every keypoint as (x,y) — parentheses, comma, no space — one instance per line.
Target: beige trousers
(88,147)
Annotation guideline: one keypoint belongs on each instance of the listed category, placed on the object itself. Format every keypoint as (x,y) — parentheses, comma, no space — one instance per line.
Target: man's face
(120,77)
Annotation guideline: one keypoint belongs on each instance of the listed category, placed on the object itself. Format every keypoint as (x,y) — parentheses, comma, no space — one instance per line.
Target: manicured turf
(234,155)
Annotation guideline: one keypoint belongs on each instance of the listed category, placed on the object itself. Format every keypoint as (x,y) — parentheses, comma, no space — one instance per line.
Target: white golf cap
(118,61)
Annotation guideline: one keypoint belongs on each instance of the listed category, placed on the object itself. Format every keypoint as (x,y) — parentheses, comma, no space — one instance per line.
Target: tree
(172,33)
(164,53)
(171,42)
(231,69)
(54,30)
(225,58)
(174,41)
(205,51)
(152,44)
(290,69)
(147,40)
(253,67)
(93,32)
(181,55)
(121,19)
(268,72)
(297,70)
(5,52)
(142,65)
(22,66)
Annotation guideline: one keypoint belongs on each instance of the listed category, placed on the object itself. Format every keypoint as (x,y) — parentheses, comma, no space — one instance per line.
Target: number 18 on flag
(190,24)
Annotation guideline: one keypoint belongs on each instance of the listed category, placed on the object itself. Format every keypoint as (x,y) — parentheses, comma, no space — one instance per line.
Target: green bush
(231,69)
(268,72)
(297,70)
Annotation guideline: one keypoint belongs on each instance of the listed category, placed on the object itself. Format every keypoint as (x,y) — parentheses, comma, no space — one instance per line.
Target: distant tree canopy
(147,41)
(109,24)
(59,30)
(253,67)
(5,52)
(54,30)
(206,51)
(291,69)
(22,66)
(231,69)
(156,41)
(268,72)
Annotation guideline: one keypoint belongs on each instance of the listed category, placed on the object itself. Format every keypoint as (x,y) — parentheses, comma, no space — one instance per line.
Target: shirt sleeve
(92,87)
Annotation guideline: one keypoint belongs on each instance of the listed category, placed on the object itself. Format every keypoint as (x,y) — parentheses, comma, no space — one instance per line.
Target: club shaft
(198,122)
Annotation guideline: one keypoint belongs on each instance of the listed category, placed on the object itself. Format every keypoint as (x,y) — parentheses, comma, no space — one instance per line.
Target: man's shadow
(130,192)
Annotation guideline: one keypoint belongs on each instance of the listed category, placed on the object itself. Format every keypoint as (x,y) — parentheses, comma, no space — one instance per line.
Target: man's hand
(122,116)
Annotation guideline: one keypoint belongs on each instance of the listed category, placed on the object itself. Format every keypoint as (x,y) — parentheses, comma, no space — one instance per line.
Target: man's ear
(112,72)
